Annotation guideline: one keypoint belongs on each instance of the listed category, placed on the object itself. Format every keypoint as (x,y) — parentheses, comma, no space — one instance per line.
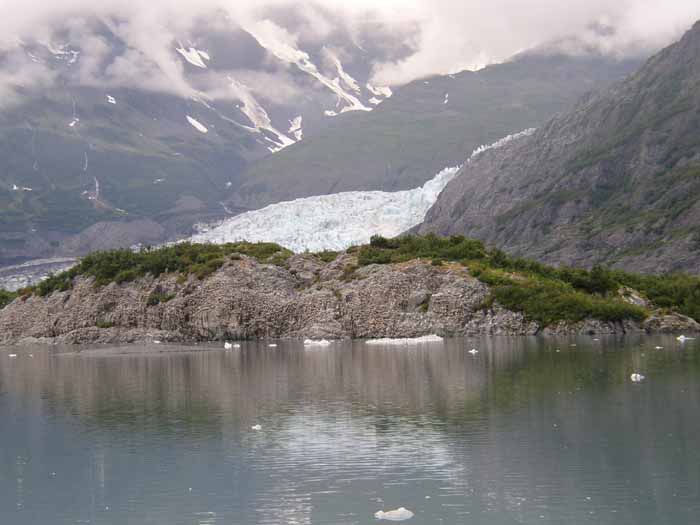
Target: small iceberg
(400,514)
(473,351)
(256,427)
(406,341)
(12,355)
(637,378)
(272,345)
(320,342)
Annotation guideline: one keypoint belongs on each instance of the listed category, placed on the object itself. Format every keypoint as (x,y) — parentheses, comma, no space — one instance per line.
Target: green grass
(6,298)
(121,266)
(543,293)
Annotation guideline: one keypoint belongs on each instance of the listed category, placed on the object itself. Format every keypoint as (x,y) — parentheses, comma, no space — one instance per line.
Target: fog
(435,36)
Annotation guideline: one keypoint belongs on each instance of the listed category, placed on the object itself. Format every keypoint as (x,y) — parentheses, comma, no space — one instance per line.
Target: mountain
(108,139)
(615,180)
(426,126)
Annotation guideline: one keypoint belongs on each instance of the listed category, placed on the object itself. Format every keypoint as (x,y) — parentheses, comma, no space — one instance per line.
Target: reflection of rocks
(309,299)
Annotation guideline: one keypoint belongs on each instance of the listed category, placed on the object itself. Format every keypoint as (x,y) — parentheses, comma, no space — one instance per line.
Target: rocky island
(407,287)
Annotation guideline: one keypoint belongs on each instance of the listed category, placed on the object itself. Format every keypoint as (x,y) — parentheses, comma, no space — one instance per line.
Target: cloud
(417,37)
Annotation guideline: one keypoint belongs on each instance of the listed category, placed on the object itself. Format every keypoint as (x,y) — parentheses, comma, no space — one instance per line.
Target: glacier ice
(340,220)
(332,222)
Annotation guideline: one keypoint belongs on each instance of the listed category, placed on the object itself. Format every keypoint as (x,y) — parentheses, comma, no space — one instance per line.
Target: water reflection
(526,431)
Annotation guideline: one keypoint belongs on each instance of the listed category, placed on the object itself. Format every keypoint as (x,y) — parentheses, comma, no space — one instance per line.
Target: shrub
(104,324)
(6,298)
(122,266)
(157,297)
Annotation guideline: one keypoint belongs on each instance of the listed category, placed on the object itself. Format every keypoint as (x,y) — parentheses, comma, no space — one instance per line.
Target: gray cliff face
(309,299)
(614,181)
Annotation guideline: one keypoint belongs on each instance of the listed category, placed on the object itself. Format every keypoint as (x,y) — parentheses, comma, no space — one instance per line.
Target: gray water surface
(527,431)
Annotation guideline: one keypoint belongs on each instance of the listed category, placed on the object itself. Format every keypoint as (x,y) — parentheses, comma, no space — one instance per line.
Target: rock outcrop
(614,181)
(305,299)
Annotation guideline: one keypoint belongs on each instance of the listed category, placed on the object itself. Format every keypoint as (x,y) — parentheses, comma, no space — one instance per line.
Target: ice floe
(314,342)
(426,339)
(400,514)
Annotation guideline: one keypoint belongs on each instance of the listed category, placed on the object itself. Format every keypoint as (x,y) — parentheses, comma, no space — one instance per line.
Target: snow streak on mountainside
(335,222)
(332,222)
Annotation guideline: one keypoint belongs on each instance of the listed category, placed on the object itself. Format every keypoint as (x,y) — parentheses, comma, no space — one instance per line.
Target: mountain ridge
(613,181)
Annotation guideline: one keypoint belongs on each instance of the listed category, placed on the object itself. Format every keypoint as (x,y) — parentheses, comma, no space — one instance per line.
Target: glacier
(340,220)
(332,222)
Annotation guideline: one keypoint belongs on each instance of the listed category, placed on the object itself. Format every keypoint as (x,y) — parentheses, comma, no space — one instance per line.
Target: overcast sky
(444,36)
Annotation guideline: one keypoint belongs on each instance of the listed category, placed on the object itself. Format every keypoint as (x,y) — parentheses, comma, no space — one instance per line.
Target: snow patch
(332,222)
(266,34)
(194,56)
(502,142)
(197,125)
(349,82)
(257,115)
(295,128)
(375,101)
(380,91)
(426,339)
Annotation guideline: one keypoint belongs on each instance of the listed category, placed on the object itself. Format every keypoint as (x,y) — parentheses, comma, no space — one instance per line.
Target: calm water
(527,431)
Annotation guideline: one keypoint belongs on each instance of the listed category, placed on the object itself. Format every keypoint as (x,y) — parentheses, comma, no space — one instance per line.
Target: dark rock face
(308,299)
(615,181)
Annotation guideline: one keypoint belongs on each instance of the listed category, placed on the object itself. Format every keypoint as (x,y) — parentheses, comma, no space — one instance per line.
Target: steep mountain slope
(95,132)
(425,126)
(615,181)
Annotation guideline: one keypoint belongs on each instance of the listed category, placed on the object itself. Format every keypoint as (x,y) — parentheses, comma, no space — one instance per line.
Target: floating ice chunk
(256,427)
(272,345)
(473,351)
(406,341)
(321,342)
(330,113)
(400,514)
(228,346)
(12,355)
(111,99)
(197,125)
(637,378)
(683,338)
(447,98)
(73,122)
(659,347)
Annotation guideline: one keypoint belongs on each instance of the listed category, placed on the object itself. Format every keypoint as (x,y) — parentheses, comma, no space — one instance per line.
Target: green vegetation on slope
(543,293)
(6,298)
(125,265)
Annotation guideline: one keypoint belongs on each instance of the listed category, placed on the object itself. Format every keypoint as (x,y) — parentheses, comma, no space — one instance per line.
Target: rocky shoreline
(305,299)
